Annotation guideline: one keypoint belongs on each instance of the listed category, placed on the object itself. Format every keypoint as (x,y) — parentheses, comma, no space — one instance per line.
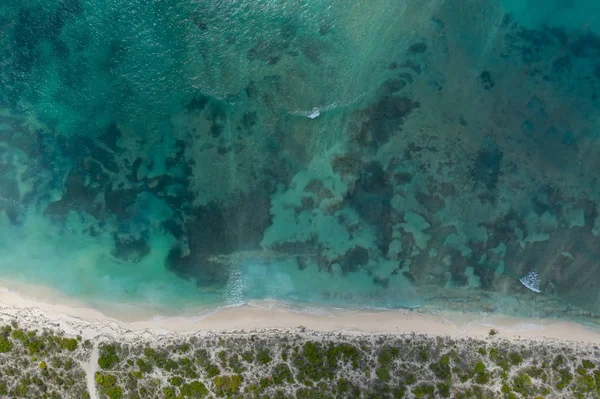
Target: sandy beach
(38,306)
(133,330)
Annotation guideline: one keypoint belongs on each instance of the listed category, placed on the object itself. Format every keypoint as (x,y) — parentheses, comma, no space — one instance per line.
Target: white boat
(315,113)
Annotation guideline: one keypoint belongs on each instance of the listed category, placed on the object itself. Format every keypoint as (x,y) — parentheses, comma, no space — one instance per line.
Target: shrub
(343,351)
(422,390)
(522,384)
(105,381)
(143,366)
(69,344)
(5,345)
(212,370)
(310,363)
(442,368)
(34,346)
(236,364)
(587,364)
(248,356)
(565,378)
(169,393)
(114,393)
(281,373)
(479,367)
(108,357)
(516,359)
(177,381)
(19,335)
(195,389)
(227,385)
(263,356)
(383,373)
(443,389)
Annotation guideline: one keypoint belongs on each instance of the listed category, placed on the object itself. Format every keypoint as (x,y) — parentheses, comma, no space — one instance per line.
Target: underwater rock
(220,229)
(354,259)
(129,248)
(586,46)
(417,48)
(197,104)
(486,80)
(249,119)
(386,116)
(487,168)
(77,196)
(371,198)
(111,137)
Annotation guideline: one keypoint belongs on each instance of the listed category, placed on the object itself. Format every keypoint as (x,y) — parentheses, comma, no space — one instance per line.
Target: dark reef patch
(10,198)
(417,48)
(111,137)
(386,116)
(197,104)
(371,198)
(220,229)
(586,46)
(412,65)
(487,168)
(354,259)
(78,196)
(391,86)
(249,119)
(119,200)
(486,80)
(130,249)
(562,64)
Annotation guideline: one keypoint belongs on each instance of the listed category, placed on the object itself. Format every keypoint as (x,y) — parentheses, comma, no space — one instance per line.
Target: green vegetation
(5,345)
(442,368)
(143,366)
(240,366)
(227,385)
(481,375)
(108,385)
(34,365)
(587,364)
(263,356)
(281,374)
(211,370)
(522,384)
(423,391)
(69,344)
(195,389)
(108,357)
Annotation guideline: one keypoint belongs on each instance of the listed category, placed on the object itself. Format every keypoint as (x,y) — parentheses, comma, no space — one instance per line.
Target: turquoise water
(162,152)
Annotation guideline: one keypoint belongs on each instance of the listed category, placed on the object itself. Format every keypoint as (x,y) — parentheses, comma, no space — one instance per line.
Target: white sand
(39,307)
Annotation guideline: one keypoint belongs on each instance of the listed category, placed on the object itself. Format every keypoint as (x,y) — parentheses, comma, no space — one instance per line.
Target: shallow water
(168,153)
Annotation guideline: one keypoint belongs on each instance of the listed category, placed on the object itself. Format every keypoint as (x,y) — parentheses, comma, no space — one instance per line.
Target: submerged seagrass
(382,153)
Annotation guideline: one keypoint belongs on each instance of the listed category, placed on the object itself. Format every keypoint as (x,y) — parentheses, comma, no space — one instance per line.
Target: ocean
(364,154)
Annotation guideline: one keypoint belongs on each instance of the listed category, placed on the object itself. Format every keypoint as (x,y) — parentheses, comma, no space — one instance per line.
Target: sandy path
(90,371)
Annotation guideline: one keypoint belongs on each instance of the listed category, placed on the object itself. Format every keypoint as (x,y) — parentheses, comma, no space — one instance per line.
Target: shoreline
(49,308)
